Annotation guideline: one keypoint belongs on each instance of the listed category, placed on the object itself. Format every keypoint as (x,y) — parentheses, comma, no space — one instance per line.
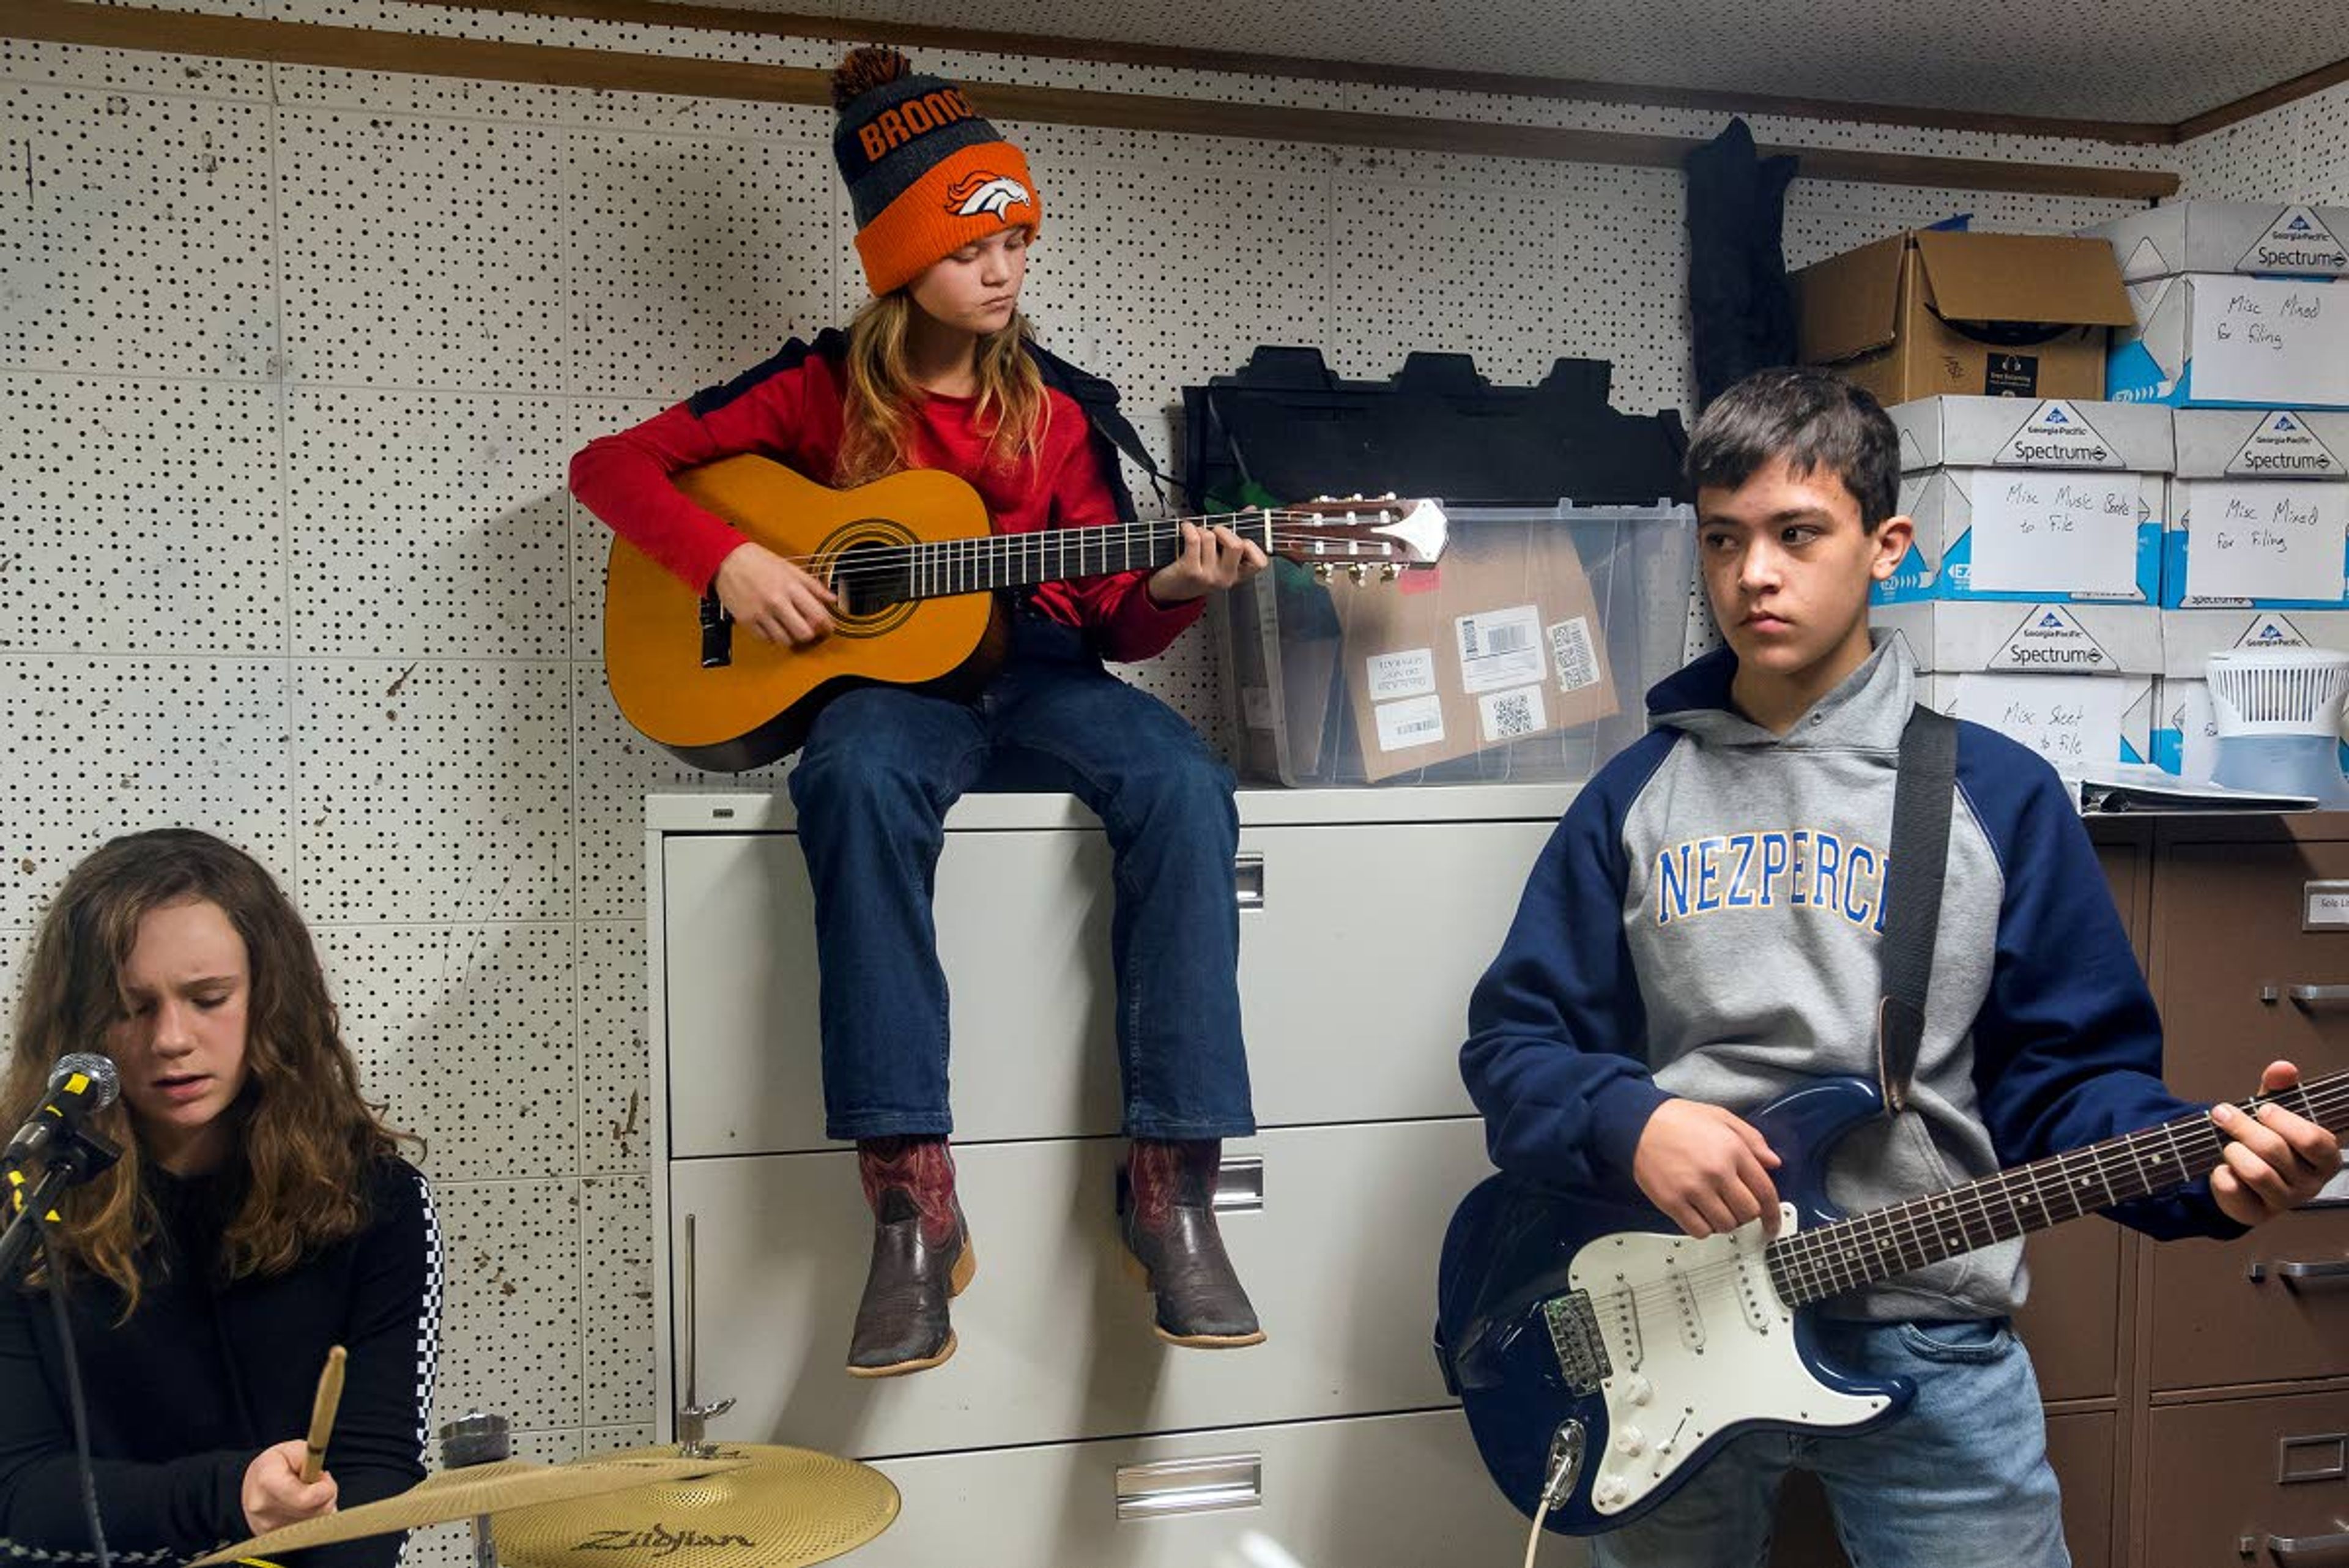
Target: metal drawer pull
(1239,1185)
(2307,996)
(1248,880)
(1175,1487)
(2332,1272)
(2286,1548)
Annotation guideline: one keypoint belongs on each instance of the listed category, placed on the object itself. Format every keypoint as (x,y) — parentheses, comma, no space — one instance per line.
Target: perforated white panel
(2156,60)
(2290,155)
(294,358)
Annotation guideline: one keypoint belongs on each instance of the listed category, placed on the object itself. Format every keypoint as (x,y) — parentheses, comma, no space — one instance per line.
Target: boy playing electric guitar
(1702,935)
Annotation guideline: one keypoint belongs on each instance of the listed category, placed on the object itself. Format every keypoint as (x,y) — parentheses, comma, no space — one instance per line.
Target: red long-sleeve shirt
(791,409)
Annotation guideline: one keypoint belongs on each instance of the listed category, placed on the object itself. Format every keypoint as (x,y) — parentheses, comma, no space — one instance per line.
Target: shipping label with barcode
(1414,722)
(1500,647)
(1571,651)
(1409,673)
(1509,714)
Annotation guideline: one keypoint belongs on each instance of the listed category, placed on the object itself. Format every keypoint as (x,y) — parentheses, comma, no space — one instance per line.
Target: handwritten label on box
(2073,721)
(2257,540)
(2056,532)
(2283,341)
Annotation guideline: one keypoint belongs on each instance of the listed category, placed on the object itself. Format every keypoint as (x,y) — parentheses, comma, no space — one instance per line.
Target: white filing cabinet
(1063,1432)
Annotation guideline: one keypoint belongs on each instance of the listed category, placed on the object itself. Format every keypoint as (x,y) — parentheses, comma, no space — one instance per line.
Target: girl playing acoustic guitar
(939,370)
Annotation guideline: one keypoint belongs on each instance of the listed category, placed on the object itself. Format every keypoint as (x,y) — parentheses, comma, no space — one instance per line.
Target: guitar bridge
(1575,1340)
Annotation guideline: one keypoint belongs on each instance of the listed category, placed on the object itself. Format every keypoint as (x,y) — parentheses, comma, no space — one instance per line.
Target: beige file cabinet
(1063,1432)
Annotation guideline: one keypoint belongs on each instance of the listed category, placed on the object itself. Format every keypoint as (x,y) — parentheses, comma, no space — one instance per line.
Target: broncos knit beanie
(926,174)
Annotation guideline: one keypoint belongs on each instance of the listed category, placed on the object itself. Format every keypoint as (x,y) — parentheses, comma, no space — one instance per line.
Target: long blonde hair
(877,420)
(304,1139)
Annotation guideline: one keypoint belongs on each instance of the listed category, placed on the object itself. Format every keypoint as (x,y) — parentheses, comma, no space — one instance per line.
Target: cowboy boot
(1166,1215)
(921,1256)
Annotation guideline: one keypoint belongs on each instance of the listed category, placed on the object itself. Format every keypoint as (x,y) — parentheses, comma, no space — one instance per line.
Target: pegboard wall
(295,357)
(2295,153)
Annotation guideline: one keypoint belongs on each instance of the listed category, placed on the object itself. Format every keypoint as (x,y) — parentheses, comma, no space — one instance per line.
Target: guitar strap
(1922,801)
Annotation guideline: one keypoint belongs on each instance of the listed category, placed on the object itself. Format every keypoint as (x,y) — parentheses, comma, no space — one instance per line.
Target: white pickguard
(1698,1339)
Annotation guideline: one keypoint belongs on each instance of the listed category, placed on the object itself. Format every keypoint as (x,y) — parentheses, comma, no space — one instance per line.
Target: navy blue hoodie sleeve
(1557,1028)
(2067,1048)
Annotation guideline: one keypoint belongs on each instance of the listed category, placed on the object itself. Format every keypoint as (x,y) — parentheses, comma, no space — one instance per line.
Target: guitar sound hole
(870,579)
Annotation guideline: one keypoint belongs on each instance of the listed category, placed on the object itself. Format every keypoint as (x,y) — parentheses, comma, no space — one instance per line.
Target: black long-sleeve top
(208,1373)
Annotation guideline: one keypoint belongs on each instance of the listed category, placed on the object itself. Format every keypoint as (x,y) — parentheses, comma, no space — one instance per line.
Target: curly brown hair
(306,1140)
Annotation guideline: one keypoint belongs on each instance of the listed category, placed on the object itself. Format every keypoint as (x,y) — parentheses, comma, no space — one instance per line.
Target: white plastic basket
(2279,691)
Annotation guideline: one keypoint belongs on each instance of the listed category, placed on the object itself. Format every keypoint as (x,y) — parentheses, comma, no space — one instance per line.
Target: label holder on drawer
(1171,1488)
(2325,907)
(2331,1462)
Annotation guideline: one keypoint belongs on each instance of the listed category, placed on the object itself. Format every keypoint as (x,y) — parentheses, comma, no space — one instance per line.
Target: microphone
(82,1084)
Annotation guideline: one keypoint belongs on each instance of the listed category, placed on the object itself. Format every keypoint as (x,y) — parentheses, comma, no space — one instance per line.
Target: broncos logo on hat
(980,192)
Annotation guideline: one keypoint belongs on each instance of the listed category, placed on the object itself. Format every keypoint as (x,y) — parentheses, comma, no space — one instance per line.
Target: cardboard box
(2258,514)
(1925,314)
(2206,340)
(2056,432)
(2075,725)
(2184,733)
(2022,535)
(2265,239)
(2047,638)
(1501,643)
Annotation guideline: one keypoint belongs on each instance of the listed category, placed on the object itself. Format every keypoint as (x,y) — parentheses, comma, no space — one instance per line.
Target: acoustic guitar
(1602,1357)
(918,573)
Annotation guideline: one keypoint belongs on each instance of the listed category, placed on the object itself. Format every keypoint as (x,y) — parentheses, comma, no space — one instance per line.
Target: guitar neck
(1901,1237)
(946,567)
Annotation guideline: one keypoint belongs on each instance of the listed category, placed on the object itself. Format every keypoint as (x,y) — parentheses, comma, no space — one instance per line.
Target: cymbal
(493,1489)
(785,1508)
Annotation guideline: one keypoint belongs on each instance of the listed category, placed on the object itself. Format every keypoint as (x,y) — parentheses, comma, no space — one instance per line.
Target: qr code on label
(1507,715)
(1570,649)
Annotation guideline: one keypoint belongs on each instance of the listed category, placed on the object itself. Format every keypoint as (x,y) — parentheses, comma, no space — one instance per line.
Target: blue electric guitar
(1602,1357)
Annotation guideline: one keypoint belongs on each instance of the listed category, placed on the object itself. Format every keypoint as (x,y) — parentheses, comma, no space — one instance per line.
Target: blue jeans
(872,787)
(1960,1481)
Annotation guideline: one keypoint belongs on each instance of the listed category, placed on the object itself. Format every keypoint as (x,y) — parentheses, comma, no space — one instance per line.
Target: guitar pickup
(1575,1340)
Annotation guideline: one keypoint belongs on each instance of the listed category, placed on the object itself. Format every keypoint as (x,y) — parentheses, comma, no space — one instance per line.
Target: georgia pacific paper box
(2019,500)
(2267,239)
(2074,682)
(2075,725)
(2259,513)
(2185,734)
(1500,643)
(2215,340)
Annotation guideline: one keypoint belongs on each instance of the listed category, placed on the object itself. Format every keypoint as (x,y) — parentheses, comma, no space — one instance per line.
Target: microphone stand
(80,1156)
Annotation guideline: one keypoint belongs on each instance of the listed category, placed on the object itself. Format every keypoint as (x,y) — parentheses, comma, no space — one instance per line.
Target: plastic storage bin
(1524,657)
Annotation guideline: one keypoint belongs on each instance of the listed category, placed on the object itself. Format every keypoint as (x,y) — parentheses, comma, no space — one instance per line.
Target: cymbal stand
(692,1415)
(477,1438)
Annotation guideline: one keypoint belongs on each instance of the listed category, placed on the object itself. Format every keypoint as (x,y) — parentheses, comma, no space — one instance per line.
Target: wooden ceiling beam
(367,49)
(1183,57)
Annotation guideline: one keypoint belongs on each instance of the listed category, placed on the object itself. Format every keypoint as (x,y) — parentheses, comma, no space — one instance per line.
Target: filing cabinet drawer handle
(1248,880)
(2292,1548)
(1172,1487)
(1239,1185)
(2332,1271)
(2309,996)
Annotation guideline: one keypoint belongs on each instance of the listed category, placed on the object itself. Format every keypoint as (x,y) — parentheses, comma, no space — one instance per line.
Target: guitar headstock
(1360,533)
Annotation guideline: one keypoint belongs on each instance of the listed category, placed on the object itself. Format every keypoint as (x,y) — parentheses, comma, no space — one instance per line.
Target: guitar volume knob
(1638,1390)
(1632,1441)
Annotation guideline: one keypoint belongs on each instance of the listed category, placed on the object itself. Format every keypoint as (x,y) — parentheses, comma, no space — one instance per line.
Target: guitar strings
(1836,1250)
(894,560)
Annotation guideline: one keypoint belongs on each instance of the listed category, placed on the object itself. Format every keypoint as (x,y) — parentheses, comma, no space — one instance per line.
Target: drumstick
(322,1414)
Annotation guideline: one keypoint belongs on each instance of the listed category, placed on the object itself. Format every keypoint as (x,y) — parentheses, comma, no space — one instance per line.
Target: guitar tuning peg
(1321,571)
(1358,572)
(1390,572)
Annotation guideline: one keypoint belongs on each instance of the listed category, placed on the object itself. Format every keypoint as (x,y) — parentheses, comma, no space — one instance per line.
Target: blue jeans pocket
(1960,1341)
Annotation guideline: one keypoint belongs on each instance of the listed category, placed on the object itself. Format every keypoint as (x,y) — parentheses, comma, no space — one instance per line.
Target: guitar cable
(1562,1462)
